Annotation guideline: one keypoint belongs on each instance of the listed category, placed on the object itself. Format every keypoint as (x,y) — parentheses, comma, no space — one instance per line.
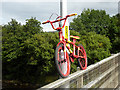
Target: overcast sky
(42,9)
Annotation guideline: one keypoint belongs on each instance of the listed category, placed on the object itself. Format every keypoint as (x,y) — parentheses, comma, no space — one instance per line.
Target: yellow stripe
(75,13)
(70,50)
(69,41)
(67,44)
(66,32)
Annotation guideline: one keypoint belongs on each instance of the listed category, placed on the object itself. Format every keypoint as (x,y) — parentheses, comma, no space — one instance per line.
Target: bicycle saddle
(75,37)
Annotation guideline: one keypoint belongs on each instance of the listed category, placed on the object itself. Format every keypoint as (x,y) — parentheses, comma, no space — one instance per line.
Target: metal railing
(103,74)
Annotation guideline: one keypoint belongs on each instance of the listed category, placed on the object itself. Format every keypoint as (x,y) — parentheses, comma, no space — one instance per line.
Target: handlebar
(59,20)
(46,22)
(72,14)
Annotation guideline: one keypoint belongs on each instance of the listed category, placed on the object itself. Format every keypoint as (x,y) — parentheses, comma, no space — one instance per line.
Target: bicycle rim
(63,66)
(83,60)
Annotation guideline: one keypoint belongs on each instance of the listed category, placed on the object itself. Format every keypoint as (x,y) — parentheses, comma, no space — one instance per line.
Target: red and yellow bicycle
(63,53)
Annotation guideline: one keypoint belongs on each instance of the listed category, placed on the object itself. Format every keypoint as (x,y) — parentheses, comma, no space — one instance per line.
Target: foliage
(31,27)
(13,49)
(11,40)
(40,50)
(0,42)
(28,52)
(91,20)
(114,33)
(97,46)
(101,23)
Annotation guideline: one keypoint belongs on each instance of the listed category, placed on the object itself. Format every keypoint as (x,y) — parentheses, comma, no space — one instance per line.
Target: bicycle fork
(65,51)
(70,52)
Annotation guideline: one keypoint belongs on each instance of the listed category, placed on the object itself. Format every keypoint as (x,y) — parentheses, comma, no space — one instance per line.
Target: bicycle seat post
(74,40)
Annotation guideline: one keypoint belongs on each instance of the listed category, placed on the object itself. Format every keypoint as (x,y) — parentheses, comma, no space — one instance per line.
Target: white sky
(59,0)
(42,9)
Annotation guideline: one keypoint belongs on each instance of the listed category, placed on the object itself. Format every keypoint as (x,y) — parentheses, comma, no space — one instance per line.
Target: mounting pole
(63,13)
(66,34)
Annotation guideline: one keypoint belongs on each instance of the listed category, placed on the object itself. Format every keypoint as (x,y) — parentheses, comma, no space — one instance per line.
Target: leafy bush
(28,53)
(40,50)
(97,46)
(100,22)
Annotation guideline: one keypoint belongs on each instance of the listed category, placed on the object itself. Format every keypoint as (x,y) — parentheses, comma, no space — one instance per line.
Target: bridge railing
(103,74)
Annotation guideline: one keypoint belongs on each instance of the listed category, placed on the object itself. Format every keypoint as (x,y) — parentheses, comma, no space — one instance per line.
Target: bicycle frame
(63,47)
(66,43)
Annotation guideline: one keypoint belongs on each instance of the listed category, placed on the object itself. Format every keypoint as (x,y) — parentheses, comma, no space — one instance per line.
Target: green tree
(114,33)
(11,37)
(31,27)
(14,58)
(0,40)
(40,53)
(91,20)
(97,46)
(28,53)
(12,50)
(101,23)
(77,25)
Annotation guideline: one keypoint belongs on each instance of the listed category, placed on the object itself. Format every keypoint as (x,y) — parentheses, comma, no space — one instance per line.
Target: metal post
(63,13)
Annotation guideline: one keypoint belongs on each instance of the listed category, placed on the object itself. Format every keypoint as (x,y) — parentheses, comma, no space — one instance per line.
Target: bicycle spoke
(82,60)
(82,52)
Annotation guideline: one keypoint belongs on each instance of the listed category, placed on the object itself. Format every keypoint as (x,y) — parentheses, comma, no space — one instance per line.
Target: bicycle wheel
(63,66)
(83,60)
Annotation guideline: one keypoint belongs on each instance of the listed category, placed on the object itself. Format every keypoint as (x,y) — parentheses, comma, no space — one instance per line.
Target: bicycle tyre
(60,62)
(82,62)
